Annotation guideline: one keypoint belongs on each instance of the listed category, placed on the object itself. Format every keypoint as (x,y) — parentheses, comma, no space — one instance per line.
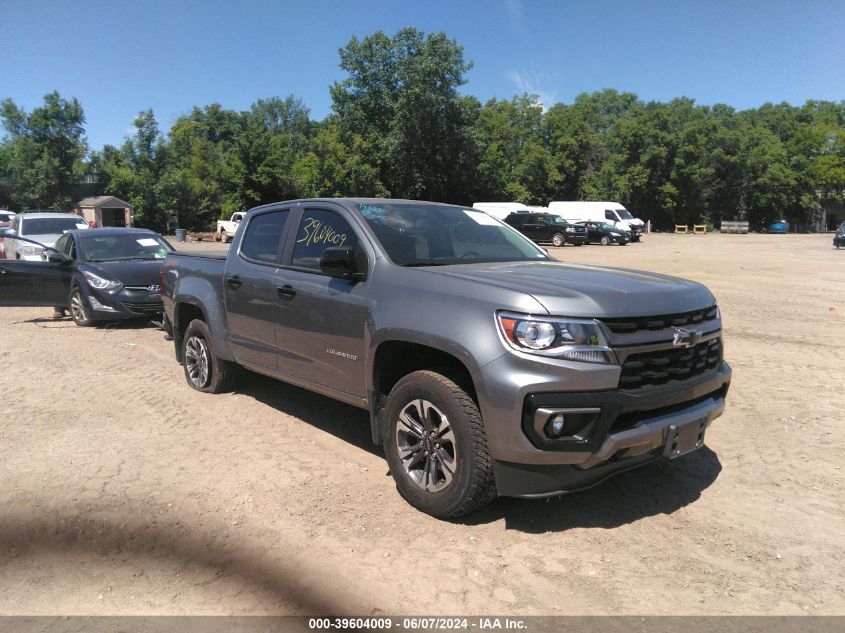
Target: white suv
(44,228)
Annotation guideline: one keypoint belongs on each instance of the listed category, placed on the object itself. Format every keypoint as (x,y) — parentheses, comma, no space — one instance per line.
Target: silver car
(44,228)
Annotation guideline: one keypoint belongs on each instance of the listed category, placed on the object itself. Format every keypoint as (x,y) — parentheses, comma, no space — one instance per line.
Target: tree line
(400,127)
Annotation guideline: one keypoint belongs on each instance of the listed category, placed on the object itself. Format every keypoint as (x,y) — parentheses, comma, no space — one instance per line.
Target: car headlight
(95,281)
(614,234)
(31,250)
(569,229)
(569,339)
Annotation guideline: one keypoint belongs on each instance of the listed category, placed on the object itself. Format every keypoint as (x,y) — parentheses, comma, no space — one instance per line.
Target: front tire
(605,240)
(558,239)
(203,370)
(436,446)
(78,310)
(224,236)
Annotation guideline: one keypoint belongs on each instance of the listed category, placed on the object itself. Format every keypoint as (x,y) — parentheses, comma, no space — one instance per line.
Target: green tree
(401,95)
(133,172)
(43,154)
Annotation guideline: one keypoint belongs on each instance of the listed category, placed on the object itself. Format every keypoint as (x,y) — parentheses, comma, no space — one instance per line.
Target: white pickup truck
(226,228)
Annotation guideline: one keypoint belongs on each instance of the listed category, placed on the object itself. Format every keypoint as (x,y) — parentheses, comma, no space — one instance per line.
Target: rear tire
(78,310)
(204,371)
(558,239)
(436,446)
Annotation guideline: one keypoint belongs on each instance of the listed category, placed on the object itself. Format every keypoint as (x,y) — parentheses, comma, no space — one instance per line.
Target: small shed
(105,211)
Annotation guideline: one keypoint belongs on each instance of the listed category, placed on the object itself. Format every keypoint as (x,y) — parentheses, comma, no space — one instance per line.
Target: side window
(608,215)
(263,236)
(70,251)
(61,243)
(319,230)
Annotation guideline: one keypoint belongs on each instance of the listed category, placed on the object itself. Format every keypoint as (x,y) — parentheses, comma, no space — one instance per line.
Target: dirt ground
(122,491)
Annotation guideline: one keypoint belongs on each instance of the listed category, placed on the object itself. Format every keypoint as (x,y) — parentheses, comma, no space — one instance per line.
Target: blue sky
(121,56)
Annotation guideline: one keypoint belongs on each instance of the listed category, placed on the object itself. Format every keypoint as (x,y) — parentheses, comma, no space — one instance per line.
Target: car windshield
(50,226)
(99,247)
(624,214)
(556,219)
(418,234)
(608,226)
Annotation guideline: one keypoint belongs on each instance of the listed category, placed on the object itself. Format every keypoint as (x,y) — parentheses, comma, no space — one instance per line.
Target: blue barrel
(181,235)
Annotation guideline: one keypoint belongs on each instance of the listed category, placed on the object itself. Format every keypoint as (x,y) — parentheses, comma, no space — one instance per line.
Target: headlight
(616,234)
(109,285)
(568,339)
(31,250)
(569,229)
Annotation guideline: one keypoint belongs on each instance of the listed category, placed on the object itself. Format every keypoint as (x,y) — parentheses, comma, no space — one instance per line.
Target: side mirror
(344,263)
(55,257)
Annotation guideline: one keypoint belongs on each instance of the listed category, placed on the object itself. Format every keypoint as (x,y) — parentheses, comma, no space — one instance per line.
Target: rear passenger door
(321,320)
(533,228)
(249,289)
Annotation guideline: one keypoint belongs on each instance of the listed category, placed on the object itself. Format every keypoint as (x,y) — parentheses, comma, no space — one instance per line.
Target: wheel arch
(395,358)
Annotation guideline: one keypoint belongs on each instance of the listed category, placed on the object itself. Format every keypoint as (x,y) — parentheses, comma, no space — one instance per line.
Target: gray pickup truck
(487,367)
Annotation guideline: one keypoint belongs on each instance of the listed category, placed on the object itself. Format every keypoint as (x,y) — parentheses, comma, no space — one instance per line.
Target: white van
(600,211)
(501,210)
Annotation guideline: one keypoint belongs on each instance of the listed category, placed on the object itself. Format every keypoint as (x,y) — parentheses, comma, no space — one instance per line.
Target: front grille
(657,368)
(628,326)
(144,308)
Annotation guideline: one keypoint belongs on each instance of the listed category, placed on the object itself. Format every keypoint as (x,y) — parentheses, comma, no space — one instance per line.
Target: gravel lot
(122,491)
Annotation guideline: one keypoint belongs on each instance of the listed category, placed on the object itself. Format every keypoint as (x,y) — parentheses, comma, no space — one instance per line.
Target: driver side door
(24,283)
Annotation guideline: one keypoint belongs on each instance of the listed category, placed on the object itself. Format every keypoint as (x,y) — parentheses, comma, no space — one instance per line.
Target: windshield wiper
(424,263)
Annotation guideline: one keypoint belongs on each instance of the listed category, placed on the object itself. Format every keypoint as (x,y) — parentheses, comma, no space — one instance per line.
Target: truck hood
(589,291)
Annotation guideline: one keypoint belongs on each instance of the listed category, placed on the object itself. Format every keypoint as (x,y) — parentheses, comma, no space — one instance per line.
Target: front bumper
(126,304)
(632,428)
(576,239)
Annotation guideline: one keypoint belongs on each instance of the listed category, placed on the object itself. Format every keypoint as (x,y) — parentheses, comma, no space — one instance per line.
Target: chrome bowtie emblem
(685,338)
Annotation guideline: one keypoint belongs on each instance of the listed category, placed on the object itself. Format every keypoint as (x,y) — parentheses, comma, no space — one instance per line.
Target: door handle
(286,292)
(233,282)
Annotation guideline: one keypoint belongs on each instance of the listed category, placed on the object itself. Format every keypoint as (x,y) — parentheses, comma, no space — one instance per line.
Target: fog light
(555,426)
(99,307)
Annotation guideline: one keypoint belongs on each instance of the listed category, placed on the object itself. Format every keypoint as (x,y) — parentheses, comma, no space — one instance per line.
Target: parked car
(545,227)
(593,211)
(487,367)
(6,218)
(605,234)
(102,275)
(43,228)
(226,229)
(779,227)
(839,238)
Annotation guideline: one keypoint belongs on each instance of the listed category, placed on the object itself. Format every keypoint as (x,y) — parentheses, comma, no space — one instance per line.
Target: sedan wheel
(605,240)
(78,309)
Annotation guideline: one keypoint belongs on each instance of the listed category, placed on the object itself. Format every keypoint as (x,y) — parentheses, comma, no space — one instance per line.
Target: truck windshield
(419,234)
(99,247)
(624,214)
